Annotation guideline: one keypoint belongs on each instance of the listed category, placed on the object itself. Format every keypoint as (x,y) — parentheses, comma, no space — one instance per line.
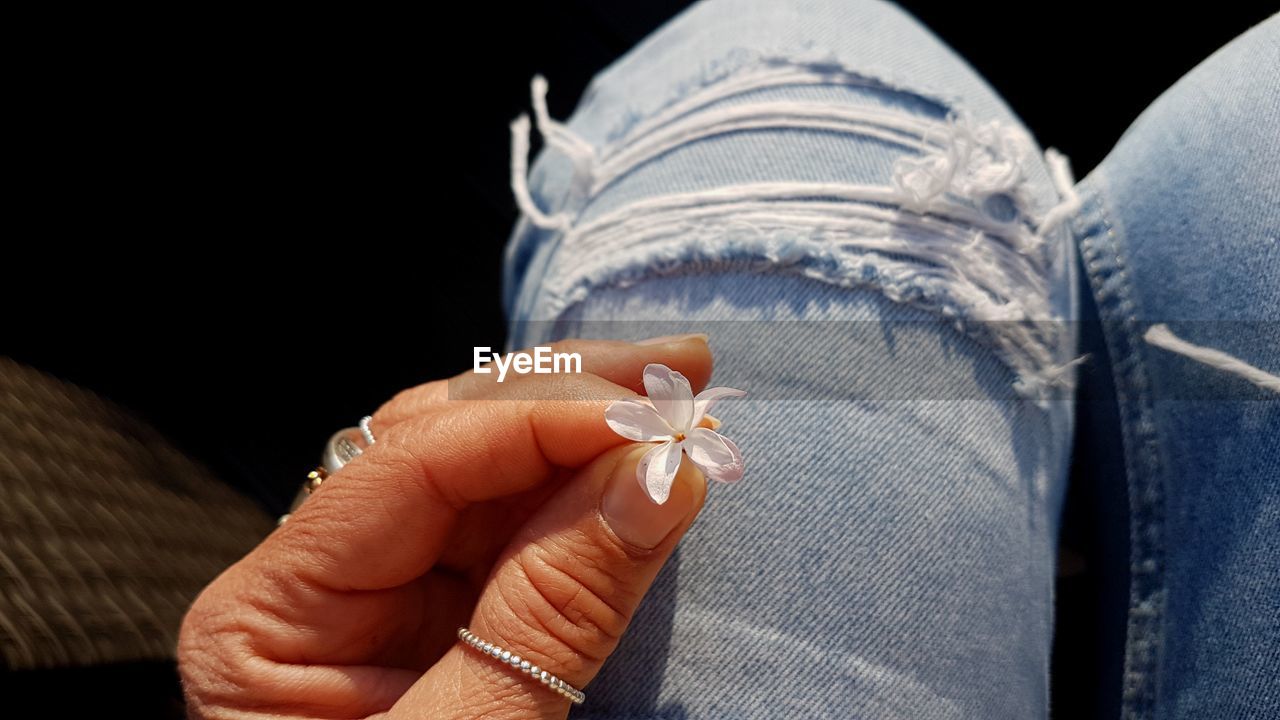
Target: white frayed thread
(1162,337)
(964,233)
(896,128)
(520,182)
(973,161)
(983,272)
(1039,384)
(841,234)
(558,137)
(1064,182)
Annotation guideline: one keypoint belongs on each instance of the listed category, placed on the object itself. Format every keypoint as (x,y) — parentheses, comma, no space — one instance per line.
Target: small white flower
(672,416)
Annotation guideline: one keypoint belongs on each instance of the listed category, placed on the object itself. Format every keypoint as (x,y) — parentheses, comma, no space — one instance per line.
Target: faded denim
(1181,225)
(894,269)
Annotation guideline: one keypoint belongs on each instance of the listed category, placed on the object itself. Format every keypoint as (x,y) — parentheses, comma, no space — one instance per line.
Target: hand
(509,508)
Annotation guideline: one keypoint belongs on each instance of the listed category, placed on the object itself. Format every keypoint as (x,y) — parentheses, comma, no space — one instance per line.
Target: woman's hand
(509,508)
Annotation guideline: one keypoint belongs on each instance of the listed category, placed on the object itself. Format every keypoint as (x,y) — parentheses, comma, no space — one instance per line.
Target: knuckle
(578,584)
(403,453)
(231,639)
(213,655)
(568,599)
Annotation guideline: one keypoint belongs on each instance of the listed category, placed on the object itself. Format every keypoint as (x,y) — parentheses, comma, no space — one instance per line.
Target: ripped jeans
(911,291)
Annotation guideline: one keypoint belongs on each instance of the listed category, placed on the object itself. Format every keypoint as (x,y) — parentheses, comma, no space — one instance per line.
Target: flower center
(679,437)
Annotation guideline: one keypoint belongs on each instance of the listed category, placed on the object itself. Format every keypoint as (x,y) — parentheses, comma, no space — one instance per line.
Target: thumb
(562,592)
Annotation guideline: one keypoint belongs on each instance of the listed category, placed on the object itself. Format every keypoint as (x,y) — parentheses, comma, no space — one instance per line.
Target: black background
(252,229)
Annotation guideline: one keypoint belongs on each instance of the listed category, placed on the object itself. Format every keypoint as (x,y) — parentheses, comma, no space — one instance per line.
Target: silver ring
(344,446)
(515,662)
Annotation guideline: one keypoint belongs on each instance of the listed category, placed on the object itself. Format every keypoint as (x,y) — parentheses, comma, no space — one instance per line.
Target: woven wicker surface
(107,532)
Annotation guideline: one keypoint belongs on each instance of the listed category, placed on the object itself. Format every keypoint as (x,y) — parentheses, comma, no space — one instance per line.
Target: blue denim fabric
(887,262)
(1181,225)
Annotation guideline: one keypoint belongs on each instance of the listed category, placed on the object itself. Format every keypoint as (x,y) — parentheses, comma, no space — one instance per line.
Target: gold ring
(314,479)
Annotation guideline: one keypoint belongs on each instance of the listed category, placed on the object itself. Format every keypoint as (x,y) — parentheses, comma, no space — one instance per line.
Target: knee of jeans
(1210,138)
(810,161)
(1227,100)
(1185,209)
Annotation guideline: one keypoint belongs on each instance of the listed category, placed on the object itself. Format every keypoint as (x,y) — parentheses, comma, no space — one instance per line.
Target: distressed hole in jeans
(1001,207)
(952,232)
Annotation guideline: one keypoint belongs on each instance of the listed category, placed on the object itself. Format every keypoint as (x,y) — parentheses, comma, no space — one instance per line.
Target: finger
(614,360)
(385,517)
(564,590)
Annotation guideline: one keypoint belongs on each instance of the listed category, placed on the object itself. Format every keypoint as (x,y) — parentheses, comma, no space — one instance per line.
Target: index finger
(618,361)
(384,519)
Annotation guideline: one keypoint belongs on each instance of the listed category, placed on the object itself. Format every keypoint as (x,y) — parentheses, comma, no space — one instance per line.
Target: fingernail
(661,339)
(636,519)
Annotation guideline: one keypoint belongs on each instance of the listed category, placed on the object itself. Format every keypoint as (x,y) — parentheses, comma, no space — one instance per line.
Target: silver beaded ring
(506,657)
(366,430)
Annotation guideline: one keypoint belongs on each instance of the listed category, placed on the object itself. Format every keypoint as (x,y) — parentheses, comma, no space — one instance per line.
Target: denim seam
(1117,309)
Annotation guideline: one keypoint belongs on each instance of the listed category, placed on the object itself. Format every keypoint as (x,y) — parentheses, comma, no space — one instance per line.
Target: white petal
(670,393)
(657,470)
(715,455)
(636,419)
(709,397)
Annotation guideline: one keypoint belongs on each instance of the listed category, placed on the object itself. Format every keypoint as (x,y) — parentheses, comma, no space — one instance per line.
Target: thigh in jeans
(1180,235)
(877,248)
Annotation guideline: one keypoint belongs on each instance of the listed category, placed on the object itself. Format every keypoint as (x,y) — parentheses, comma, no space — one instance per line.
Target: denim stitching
(1118,311)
